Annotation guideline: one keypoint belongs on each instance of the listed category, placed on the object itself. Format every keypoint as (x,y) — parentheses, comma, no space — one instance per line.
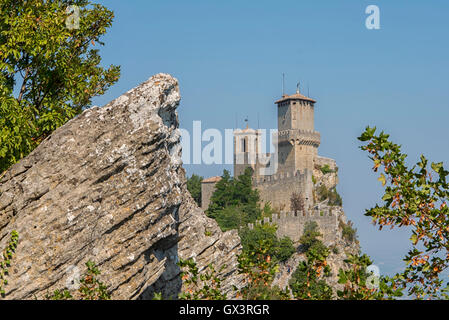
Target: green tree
(416,198)
(280,250)
(194,187)
(230,218)
(234,202)
(259,269)
(306,285)
(49,71)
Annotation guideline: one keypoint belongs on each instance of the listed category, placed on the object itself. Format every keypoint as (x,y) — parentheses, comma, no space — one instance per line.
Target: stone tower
(246,150)
(298,141)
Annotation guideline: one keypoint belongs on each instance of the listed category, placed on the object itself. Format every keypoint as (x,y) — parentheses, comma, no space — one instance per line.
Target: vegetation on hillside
(5,261)
(90,287)
(349,233)
(308,280)
(259,268)
(279,250)
(324,193)
(235,202)
(326,169)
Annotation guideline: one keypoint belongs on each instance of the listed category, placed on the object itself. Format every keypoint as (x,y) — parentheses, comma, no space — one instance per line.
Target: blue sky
(229,57)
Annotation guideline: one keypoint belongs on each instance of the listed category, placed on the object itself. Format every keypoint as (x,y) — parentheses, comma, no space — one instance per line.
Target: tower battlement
(278,189)
(294,161)
(291,224)
(300,137)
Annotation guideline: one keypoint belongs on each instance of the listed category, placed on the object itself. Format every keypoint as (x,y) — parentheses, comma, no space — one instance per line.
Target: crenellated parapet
(300,137)
(280,177)
(277,189)
(292,224)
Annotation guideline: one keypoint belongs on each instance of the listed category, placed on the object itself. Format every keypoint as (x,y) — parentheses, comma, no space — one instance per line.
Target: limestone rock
(109,187)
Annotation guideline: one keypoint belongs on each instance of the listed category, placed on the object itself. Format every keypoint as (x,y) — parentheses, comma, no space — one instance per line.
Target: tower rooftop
(212,180)
(296,96)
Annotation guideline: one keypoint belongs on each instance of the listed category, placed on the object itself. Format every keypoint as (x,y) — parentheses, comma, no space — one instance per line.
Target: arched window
(244,144)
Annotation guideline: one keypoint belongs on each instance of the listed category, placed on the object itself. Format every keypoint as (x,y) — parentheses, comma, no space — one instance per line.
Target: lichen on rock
(109,186)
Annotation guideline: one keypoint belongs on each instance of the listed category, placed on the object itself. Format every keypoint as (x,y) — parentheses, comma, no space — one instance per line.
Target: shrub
(310,235)
(259,269)
(297,202)
(279,250)
(307,281)
(8,255)
(206,286)
(333,196)
(90,287)
(349,233)
(326,169)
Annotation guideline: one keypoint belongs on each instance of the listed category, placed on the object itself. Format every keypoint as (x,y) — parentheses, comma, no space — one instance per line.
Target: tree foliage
(348,232)
(194,187)
(5,261)
(260,269)
(205,286)
(279,249)
(308,280)
(361,284)
(235,203)
(48,71)
(415,197)
(332,194)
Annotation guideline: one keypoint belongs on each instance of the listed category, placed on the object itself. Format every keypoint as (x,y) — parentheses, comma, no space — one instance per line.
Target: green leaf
(382,179)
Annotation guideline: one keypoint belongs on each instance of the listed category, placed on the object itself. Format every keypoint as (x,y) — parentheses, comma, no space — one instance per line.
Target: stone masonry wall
(292,224)
(207,190)
(278,189)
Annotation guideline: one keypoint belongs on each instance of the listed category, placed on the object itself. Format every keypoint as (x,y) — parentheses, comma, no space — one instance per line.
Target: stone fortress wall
(299,170)
(292,224)
(278,188)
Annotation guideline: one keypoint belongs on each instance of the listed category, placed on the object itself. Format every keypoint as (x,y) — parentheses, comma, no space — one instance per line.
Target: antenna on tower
(247,122)
(283,84)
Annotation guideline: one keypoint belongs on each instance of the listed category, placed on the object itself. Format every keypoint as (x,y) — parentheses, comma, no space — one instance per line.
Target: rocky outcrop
(109,187)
